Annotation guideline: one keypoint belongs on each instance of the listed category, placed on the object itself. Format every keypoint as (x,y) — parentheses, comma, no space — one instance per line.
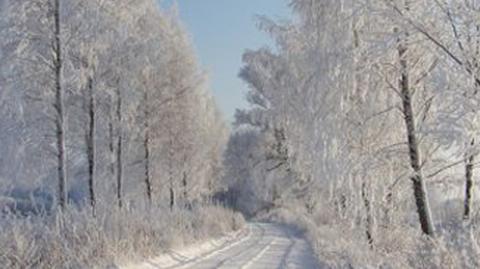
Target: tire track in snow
(223,247)
(286,256)
(243,251)
(258,256)
(261,246)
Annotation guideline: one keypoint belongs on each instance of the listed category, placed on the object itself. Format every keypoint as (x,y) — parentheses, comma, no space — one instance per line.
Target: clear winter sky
(221,31)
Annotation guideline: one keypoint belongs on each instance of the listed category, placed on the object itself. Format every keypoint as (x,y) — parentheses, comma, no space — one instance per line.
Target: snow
(261,245)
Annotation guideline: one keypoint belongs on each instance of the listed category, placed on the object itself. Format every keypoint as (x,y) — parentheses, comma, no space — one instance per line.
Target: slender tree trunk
(419,187)
(111,138)
(388,200)
(185,187)
(60,111)
(91,150)
(112,151)
(172,197)
(172,193)
(369,214)
(467,206)
(170,171)
(148,183)
(468,184)
(146,145)
(387,216)
(119,157)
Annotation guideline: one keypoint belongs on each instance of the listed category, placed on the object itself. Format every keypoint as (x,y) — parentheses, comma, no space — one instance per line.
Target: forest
(111,142)
(361,132)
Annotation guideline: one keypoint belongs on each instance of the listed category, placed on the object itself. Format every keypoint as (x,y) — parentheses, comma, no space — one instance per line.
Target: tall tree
(419,187)
(60,107)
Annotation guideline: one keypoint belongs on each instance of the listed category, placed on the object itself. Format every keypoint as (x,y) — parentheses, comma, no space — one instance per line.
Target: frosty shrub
(75,239)
(341,244)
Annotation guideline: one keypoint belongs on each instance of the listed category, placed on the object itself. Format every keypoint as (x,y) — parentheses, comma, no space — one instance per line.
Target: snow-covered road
(265,246)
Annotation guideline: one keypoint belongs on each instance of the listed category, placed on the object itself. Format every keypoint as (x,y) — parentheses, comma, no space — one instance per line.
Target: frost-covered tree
(454,36)
(140,117)
(328,99)
(38,37)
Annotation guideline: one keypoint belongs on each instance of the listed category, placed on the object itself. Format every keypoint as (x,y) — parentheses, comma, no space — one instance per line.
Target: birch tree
(39,45)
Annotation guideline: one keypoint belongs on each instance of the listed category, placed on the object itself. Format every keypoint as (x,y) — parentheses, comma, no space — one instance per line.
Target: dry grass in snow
(78,240)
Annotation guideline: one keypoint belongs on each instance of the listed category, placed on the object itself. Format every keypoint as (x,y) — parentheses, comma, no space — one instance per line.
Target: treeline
(103,102)
(360,110)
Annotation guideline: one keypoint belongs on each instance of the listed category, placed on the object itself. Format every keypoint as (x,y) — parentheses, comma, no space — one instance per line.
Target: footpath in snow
(260,246)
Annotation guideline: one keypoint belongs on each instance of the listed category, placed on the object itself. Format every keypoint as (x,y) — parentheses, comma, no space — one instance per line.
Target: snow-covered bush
(78,240)
(339,244)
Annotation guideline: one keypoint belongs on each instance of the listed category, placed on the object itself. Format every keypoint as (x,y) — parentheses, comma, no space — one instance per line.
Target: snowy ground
(261,246)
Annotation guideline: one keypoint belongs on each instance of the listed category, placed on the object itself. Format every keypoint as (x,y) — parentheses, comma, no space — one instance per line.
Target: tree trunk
(172,198)
(148,184)
(470,158)
(91,151)
(185,188)
(60,111)
(468,184)
(111,138)
(387,215)
(419,187)
(119,159)
(369,214)
(171,154)
(146,145)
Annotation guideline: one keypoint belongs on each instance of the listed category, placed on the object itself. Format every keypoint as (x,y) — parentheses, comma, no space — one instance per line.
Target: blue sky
(221,31)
